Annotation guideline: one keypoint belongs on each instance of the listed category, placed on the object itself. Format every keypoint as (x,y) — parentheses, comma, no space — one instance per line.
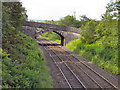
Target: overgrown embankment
(106,58)
(23,64)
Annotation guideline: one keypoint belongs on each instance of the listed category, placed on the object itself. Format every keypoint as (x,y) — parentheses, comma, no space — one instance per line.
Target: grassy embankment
(24,66)
(107,59)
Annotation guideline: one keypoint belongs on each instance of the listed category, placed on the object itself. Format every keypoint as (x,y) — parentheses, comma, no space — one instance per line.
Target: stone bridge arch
(67,34)
(58,33)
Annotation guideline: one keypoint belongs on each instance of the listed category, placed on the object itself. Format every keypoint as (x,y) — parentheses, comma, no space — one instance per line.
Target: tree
(84,19)
(108,27)
(88,34)
(111,12)
(105,30)
(14,15)
(70,21)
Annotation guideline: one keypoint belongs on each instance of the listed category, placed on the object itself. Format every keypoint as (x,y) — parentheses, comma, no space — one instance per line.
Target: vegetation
(99,39)
(106,58)
(70,21)
(52,36)
(23,64)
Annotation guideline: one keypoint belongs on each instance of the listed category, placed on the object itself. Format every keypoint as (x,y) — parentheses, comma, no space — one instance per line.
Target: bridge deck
(69,70)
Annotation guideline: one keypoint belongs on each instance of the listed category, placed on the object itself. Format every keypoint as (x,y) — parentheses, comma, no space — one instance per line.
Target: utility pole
(74,13)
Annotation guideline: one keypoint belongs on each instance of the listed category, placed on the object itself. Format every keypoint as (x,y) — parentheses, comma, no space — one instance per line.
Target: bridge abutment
(62,41)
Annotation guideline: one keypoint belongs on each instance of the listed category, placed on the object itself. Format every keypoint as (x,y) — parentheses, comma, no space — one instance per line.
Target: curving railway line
(76,72)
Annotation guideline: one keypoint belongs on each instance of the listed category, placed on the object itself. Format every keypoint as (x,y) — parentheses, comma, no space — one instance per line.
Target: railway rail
(113,86)
(72,79)
(77,82)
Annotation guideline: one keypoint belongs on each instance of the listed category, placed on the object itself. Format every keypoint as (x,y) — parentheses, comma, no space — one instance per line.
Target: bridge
(67,34)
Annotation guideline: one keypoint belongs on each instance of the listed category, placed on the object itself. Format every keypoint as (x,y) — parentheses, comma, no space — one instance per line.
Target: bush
(24,66)
(106,58)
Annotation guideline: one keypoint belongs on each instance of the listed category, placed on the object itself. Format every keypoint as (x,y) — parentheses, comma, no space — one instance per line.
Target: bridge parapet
(54,27)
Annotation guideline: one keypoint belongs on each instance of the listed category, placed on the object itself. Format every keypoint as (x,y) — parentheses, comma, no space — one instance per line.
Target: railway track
(65,60)
(113,86)
(71,78)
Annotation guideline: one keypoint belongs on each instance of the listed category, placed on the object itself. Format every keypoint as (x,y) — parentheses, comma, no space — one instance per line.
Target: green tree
(70,21)
(111,12)
(107,30)
(50,21)
(84,19)
(88,32)
(14,15)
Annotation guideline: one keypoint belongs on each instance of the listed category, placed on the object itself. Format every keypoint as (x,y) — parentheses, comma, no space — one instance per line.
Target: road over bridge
(33,29)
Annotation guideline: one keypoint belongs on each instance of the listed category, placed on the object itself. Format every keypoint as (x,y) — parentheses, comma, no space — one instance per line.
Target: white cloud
(55,9)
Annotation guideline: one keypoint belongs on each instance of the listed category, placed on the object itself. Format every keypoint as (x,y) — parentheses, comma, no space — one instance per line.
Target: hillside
(23,64)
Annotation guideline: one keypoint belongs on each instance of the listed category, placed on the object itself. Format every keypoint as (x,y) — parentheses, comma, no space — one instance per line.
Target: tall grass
(105,58)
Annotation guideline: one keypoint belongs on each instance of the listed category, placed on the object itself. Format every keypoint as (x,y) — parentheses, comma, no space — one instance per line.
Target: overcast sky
(55,9)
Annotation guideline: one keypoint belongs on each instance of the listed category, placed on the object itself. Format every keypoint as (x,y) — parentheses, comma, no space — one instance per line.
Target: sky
(56,9)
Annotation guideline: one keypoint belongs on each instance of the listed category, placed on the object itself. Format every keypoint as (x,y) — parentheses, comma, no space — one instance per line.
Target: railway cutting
(69,70)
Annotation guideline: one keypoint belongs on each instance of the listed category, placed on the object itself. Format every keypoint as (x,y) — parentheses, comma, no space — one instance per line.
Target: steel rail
(70,70)
(90,69)
(116,78)
(83,71)
(58,68)
(93,70)
(69,53)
